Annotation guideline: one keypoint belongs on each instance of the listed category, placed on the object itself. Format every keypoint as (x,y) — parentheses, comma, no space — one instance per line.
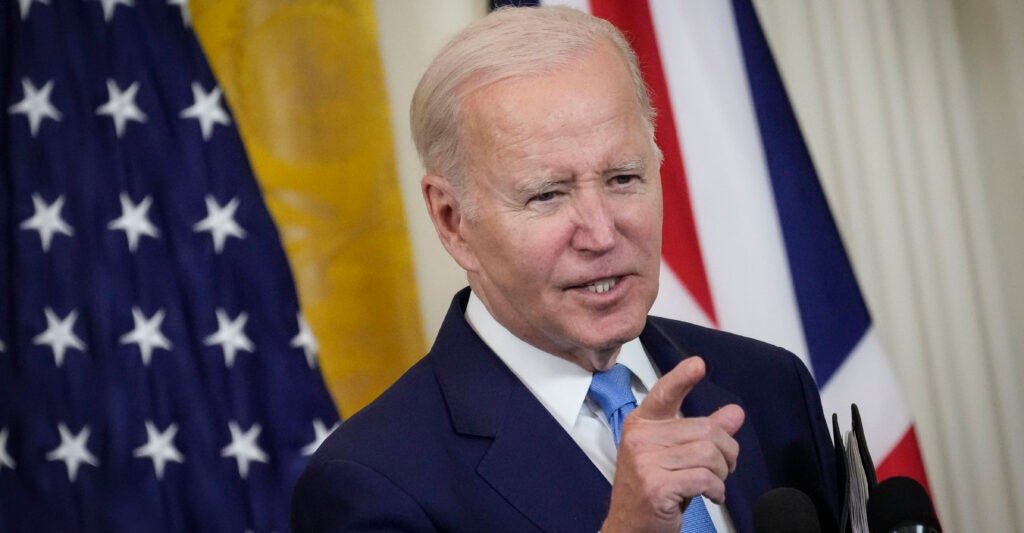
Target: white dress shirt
(561,386)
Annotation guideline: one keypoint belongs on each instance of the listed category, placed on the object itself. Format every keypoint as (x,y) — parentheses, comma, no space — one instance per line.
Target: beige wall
(411,32)
(992,33)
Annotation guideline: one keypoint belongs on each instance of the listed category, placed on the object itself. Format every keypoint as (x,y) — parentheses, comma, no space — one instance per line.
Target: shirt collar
(560,385)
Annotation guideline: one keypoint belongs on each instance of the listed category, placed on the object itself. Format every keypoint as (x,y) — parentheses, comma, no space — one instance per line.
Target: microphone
(901,505)
(785,510)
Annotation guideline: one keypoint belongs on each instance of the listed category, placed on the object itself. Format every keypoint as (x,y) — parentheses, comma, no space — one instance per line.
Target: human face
(564,242)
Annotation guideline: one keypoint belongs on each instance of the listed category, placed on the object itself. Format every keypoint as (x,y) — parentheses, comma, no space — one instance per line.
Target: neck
(590,359)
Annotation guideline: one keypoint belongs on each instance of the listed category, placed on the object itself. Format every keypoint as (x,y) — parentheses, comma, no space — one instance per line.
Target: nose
(595,229)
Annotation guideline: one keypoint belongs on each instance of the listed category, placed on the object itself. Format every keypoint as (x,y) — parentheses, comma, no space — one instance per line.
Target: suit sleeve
(347,496)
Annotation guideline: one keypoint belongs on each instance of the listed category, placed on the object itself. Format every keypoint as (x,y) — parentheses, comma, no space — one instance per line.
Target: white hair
(508,43)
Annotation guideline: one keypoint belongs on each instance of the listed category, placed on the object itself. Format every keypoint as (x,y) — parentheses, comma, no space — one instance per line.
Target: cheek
(642,223)
(654,234)
(510,250)
(537,248)
(653,219)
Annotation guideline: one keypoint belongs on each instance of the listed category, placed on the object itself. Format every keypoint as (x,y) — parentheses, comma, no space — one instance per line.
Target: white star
(243,448)
(5,458)
(220,222)
(230,336)
(59,334)
(47,220)
(186,18)
(3,347)
(110,5)
(35,105)
(160,447)
(206,109)
(26,5)
(147,334)
(307,341)
(134,220)
(121,106)
(321,433)
(72,450)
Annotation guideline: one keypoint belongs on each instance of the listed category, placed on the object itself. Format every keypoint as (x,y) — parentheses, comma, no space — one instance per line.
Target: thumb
(666,396)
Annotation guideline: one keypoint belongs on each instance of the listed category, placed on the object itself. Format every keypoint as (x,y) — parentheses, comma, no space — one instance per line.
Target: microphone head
(786,510)
(900,502)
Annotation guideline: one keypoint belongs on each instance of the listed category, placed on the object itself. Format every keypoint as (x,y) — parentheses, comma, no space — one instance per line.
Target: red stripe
(904,460)
(680,244)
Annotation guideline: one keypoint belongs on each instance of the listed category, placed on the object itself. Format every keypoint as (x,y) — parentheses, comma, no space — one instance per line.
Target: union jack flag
(156,373)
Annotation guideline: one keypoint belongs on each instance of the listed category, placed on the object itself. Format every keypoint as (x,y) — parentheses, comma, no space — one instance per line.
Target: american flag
(156,373)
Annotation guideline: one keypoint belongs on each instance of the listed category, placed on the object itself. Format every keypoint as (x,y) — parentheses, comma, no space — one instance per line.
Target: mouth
(601,285)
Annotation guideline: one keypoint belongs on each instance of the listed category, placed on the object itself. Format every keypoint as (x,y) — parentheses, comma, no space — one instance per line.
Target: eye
(624,179)
(545,196)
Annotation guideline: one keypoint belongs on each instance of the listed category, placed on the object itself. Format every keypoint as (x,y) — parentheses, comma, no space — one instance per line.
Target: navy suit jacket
(458,443)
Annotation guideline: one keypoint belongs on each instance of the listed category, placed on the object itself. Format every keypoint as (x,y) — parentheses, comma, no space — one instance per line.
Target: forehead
(586,114)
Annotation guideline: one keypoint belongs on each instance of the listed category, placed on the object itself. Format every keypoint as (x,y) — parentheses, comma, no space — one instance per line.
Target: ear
(446,214)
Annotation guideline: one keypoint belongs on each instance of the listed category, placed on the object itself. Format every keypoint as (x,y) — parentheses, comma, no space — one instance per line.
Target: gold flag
(305,83)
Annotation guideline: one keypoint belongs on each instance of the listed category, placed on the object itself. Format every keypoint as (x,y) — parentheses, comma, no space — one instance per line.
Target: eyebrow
(630,166)
(529,190)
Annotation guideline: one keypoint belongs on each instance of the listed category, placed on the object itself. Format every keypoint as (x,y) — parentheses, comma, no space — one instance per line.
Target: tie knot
(611,390)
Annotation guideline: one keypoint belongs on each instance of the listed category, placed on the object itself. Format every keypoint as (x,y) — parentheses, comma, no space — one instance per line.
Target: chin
(611,338)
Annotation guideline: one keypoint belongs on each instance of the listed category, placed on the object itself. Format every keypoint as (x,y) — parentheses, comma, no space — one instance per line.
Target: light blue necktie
(611,390)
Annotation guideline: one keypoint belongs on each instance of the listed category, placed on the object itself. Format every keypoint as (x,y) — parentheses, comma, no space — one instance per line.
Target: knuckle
(707,452)
(732,449)
(708,479)
(703,426)
(717,492)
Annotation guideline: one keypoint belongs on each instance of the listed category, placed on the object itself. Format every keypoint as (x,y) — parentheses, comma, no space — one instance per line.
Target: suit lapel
(541,471)
(750,480)
(532,462)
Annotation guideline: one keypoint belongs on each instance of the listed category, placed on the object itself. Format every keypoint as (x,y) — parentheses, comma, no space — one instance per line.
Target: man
(543,183)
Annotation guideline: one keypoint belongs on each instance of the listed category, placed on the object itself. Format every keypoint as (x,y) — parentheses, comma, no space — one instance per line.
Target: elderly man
(550,400)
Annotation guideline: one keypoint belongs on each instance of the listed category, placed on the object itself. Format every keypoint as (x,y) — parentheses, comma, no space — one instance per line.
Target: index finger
(666,396)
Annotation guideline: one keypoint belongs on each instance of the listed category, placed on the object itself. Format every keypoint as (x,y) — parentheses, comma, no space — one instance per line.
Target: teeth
(603,285)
